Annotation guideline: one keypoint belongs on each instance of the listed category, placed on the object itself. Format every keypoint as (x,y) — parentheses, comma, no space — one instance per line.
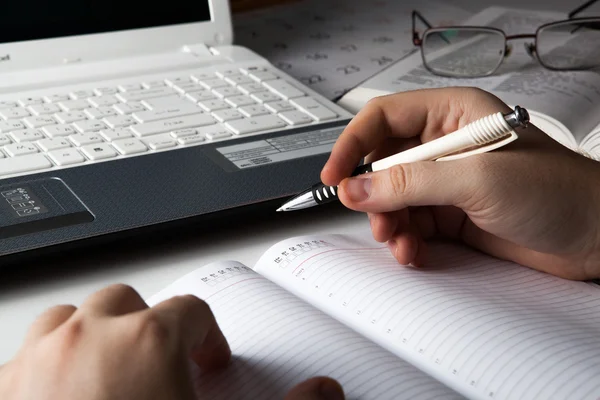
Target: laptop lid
(40,33)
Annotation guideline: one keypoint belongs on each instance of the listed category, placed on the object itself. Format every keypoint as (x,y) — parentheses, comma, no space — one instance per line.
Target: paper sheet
(333,45)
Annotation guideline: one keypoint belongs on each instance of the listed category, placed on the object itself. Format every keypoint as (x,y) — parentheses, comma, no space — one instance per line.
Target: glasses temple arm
(416,39)
(581,8)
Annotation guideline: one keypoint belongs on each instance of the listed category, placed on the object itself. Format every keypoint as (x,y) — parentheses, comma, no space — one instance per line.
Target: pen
(483,135)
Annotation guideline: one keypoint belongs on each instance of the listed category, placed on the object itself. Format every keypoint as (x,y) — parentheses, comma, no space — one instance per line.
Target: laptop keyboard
(103,123)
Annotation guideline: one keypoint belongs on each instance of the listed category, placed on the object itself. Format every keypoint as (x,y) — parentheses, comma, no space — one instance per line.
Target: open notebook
(565,105)
(467,326)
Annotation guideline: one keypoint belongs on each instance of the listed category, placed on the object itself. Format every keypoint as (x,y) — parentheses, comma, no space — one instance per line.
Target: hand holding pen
(533,201)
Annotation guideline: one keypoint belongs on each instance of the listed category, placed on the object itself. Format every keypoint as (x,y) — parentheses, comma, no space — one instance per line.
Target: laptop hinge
(198,49)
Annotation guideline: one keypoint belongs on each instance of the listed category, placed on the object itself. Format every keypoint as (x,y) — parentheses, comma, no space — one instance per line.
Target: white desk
(27,292)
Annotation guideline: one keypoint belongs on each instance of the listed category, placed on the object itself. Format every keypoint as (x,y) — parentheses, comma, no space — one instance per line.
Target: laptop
(119,118)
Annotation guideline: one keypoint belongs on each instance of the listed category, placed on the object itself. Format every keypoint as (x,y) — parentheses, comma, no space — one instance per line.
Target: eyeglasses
(476,51)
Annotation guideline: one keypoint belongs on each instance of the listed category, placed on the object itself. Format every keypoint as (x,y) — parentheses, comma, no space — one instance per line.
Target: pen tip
(280,209)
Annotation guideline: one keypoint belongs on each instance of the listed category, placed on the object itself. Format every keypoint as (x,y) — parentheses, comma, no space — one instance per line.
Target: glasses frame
(532,47)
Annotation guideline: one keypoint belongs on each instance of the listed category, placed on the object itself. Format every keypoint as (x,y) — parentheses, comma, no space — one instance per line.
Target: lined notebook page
(488,328)
(279,340)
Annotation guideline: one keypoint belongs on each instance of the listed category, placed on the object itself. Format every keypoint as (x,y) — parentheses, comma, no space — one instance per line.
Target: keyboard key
(58,130)
(283,89)
(119,121)
(215,132)
(187,86)
(4,140)
(106,90)
(201,76)
(82,139)
(227,115)
(20,149)
(129,108)
(53,144)
(295,117)
(213,83)
(200,96)
(238,79)
(31,100)
(264,97)
(163,102)
(89,126)
(262,76)
(81,94)
(2,155)
(27,135)
(70,116)
(253,111)
(313,108)
(114,134)
(54,98)
(42,109)
(250,88)
(24,163)
(14,113)
(158,142)
(7,104)
(11,125)
(100,112)
(213,105)
(153,84)
(168,125)
(178,79)
(130,146)
(239,101)
(179,110)
(184,132)
(74,105)
(130,87)
(279,106)
(226,91)
(106,100)
(99,151)
(66,156)
(249,125)
(223,73)
(38,122)
(197,138)
(145,94)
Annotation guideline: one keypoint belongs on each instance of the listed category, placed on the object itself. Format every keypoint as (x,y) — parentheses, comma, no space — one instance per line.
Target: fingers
(114,300)
(319,388)
(49,320)
(425,113)
(414,184)
(191,321)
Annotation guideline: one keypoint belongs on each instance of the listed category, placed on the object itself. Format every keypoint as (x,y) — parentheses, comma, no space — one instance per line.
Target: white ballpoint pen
(483,135)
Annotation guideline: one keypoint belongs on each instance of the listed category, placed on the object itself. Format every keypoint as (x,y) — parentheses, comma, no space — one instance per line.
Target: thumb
(426,183)
(319,388)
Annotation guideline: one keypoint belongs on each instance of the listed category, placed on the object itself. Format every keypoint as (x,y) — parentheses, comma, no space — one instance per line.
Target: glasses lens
(463,52)
(570,44)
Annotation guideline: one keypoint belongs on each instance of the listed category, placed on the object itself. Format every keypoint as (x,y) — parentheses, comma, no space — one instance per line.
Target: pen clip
(512,136)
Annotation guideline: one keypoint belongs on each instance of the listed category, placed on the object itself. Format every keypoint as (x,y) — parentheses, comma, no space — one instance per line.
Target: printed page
(490,329)
(333,45)
(278,341)
(571,97)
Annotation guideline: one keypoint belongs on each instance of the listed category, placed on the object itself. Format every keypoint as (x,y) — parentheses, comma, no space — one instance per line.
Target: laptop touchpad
(39,205)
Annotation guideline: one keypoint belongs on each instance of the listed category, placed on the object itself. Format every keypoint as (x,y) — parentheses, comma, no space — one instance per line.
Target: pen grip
(326,194)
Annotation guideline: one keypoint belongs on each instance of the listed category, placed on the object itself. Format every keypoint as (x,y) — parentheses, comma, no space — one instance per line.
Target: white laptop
(131,117)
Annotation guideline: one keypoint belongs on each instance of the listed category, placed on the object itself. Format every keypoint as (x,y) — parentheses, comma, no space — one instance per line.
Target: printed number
(222,272)
(345,304)
(204,279)
(292,248)
(373,321)
(330,294)
(358,312)
(404,340)
(438,361)
(421,351)
(454,372)
(389,330)
(472,383)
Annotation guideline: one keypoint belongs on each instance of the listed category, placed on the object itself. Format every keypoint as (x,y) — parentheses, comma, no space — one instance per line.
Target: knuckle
(71,333)
(121,288)
(150,329)
(399,179)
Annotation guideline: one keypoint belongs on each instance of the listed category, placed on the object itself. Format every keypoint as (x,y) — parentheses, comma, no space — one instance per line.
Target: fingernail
(358,189)
(330,390)
(392,246)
